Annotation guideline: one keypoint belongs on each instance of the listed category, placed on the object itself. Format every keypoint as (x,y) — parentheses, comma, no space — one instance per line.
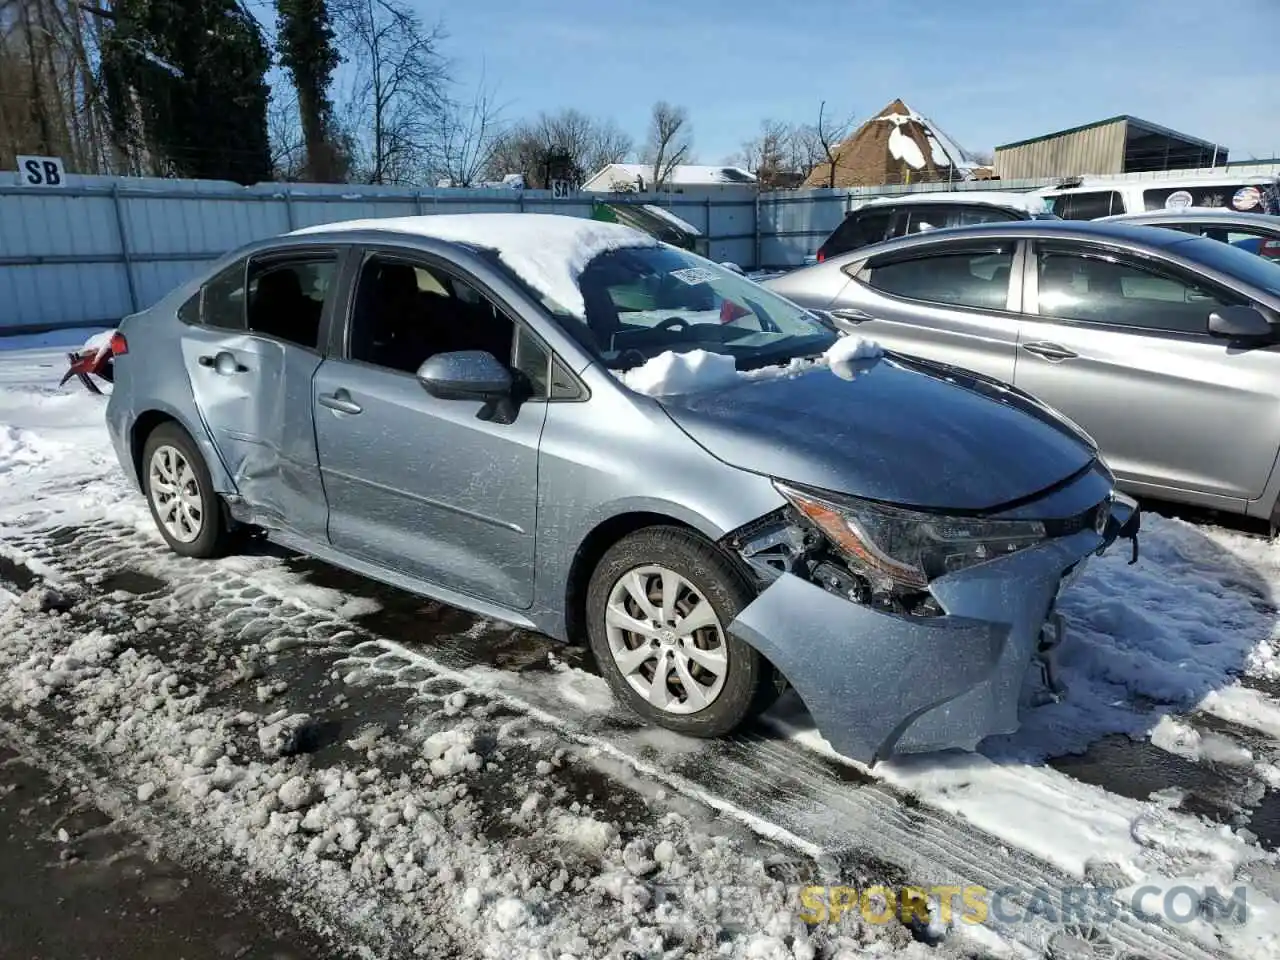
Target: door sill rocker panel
(423,588)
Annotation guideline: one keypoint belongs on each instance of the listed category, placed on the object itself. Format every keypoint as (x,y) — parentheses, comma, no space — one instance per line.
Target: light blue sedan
(574,428)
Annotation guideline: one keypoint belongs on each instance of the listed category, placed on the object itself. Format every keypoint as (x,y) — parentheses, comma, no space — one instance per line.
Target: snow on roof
(547,251)
(684,174)
(945,151)
(665,214)
(1030,202)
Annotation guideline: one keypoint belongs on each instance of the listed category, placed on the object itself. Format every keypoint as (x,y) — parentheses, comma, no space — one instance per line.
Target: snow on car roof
(547,251)
(1030,202)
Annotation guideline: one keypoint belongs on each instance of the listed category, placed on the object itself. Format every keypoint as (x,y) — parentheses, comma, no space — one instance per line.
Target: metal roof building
(1120,144)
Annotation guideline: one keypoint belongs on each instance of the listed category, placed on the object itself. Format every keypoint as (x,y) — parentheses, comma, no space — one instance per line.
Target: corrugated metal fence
(102,247)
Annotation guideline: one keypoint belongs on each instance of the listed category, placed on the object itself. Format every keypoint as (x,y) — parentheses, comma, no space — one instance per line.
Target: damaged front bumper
(878,682)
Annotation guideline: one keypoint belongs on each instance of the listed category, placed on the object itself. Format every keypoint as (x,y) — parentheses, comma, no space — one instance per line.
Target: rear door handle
(341,401)
(1053,352)
(851,314)
(224,362)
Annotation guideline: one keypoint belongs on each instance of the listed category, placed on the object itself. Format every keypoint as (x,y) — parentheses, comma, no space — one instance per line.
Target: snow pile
(547,251)
(671,373)
(844,355)
(99,343)
(24,449)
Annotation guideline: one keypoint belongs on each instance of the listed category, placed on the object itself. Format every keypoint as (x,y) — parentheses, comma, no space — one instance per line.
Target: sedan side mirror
(465,375)
(1240,323)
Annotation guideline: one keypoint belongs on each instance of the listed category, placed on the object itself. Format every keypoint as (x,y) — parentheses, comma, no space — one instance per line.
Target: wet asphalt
(77,884)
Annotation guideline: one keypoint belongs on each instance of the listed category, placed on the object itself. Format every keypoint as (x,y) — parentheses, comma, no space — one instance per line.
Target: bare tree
(770,154)
(49,96)
(669,142)
(609,144)
(467,137)
(829,133)
(568,145)
(288,141)
(398,89)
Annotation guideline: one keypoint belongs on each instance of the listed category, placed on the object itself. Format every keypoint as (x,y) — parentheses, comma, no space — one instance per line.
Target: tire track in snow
(527,845)
(818,811)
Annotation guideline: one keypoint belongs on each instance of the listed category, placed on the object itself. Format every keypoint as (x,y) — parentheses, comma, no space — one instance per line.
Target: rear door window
(860,228)
(975,276)
(222,302)
(982,213)
(1087,205)
(924,218)
(287,296)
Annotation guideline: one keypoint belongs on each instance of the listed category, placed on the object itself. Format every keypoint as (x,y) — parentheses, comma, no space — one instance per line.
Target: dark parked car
(887,217)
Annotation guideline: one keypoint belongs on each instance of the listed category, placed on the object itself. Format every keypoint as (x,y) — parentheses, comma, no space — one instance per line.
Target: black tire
(750,685)
(214,536)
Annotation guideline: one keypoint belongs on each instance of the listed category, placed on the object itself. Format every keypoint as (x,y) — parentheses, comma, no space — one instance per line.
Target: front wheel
(658,608)
(179,490)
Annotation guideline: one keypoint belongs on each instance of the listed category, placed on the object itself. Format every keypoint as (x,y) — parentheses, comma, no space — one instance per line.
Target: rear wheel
(658,606)
(180,492)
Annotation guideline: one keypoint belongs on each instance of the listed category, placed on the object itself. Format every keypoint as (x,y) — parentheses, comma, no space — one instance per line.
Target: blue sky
(987,72)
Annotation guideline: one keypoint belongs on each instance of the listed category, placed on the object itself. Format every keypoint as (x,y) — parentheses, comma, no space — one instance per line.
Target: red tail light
(119,345)
(1270,249)
(822,255)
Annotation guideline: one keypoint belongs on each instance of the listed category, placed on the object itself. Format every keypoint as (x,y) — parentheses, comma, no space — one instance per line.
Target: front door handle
(341,401)
(1053,352)
(851,314)
(223,362)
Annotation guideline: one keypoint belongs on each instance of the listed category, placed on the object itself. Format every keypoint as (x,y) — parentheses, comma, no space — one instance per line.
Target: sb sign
(41,172)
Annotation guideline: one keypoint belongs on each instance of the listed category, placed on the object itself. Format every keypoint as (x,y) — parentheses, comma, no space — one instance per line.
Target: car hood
(900,430)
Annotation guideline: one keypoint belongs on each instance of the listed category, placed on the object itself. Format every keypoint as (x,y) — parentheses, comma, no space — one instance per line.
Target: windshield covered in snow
(644,301)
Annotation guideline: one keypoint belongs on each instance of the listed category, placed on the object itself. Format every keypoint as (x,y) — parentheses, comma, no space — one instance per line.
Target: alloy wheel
(666,639)
(175,494)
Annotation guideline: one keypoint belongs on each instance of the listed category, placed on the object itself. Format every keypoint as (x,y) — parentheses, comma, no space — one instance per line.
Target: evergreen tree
(305,42)
(186,81)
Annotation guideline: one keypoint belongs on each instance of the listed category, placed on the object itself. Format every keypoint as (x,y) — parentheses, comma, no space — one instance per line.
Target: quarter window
(1074,285)
(976,277)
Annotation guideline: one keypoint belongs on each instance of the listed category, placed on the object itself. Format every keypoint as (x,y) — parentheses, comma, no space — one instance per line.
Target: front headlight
(908,548)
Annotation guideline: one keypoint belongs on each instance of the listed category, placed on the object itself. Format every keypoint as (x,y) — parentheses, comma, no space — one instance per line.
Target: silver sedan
(1162,346)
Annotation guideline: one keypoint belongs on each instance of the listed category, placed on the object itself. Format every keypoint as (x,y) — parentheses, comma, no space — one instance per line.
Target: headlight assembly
(906,549)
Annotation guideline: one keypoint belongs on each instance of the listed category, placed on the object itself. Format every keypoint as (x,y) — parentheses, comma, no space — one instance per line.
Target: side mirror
(1240,323)
(465,375)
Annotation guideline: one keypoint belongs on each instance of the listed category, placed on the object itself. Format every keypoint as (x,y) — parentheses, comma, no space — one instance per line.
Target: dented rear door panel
(254,396)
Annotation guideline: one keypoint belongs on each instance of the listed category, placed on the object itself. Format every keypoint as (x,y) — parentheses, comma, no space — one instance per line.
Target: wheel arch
(145,423)
(604,535)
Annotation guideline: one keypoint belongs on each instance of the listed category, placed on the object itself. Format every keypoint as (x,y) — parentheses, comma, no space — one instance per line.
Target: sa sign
(560,189)
(41,172)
